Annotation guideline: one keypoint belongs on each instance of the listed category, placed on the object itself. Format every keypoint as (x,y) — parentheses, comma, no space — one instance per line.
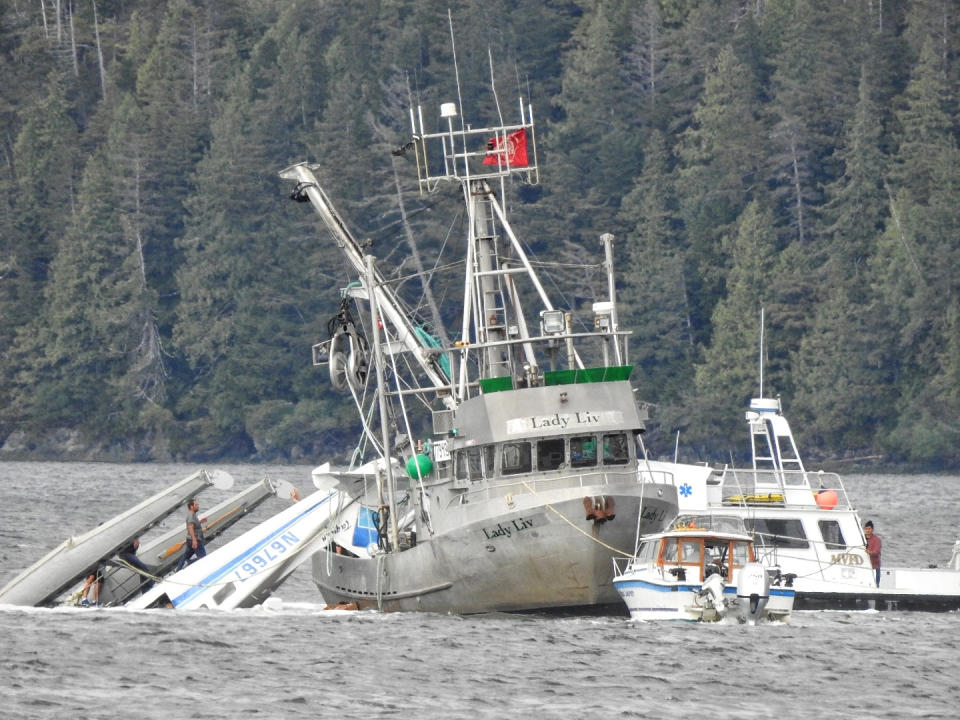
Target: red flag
(514,154)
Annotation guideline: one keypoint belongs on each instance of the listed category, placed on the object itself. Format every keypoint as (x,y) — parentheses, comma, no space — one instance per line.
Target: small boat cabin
(695,547)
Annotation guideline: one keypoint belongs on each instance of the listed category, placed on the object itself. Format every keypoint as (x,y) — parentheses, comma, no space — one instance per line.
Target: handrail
(539,483)
(747,482)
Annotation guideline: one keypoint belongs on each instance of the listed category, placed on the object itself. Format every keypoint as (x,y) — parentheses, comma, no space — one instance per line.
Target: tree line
(159,293)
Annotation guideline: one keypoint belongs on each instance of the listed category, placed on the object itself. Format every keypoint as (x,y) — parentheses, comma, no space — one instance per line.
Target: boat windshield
(716,523)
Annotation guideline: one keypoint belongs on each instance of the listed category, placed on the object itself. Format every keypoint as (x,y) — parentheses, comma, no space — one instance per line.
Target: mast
(382,400)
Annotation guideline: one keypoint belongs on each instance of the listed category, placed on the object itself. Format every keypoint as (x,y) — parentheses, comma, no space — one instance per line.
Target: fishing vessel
(520,438)
(804,523)
(701,568)
(44,581)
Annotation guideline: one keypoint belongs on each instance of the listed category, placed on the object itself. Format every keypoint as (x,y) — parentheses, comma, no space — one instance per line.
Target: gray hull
(543,557)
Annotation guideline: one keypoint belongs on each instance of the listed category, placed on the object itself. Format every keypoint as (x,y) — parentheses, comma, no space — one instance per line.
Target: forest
(160,293)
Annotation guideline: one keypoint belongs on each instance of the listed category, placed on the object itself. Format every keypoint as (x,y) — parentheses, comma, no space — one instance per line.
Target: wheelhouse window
(781,533)
(550,454)
(475,463)
(648,551)
(832,536)
(690,552)
(469,465)
(615,449)
(670,551)
(489,455)
(741,554)
(515,458)
(583,451)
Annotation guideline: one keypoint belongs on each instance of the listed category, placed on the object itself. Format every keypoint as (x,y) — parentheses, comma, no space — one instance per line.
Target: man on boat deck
(874,544)
(194,542)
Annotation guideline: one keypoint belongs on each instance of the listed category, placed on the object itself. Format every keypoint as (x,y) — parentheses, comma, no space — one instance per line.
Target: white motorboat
(703,567)
(804,523)
(44,581)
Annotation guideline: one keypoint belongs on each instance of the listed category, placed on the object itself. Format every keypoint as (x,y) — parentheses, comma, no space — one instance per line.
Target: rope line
(574,526)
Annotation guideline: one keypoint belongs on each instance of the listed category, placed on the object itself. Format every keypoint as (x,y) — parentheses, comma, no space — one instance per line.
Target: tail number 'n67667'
(261,561)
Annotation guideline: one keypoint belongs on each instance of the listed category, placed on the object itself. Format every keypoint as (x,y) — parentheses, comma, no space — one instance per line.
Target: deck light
(552,322)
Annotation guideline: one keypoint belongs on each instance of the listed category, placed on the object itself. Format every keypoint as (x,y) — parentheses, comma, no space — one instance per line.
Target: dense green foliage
(159,292)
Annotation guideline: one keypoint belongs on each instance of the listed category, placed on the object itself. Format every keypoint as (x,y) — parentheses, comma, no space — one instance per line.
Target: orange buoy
(826,499)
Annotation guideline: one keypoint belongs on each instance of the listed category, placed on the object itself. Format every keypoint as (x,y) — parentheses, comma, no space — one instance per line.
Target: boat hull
(649,601)
(917,589)
(546,556)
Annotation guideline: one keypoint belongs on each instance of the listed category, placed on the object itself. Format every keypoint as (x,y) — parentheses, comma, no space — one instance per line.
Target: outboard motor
(753,592)
(711,594)
(955,558)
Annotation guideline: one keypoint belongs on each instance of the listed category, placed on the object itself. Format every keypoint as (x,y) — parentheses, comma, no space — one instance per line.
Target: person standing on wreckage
(194,542)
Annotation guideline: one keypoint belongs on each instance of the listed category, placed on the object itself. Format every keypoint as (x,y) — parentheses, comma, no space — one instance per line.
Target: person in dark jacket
(128,554)
(874,546)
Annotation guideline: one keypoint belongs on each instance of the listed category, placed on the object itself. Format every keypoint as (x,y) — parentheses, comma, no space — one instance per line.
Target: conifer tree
(728,375)
(654,298)
(721,155)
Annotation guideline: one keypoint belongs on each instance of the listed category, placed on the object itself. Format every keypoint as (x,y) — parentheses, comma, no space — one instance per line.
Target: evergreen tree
(590,153)
(913,269)
(857,201)
(728,375)
(841,368)
(720,154)
(654,299)
(246,321)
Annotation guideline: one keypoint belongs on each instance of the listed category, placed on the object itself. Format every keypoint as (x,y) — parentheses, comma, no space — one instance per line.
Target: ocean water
(292,659)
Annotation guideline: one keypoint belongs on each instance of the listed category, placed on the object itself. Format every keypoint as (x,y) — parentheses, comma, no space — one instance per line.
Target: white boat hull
(647,600)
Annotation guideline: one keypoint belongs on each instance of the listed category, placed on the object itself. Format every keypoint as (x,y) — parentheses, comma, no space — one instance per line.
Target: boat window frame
(484,456)
(556,441)
(662,559)
(777,539)
(829,544)
(577,458)
(615,460)
(748,554)
(525,464)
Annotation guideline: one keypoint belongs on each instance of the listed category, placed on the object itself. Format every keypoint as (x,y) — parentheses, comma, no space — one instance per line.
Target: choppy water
(294,660)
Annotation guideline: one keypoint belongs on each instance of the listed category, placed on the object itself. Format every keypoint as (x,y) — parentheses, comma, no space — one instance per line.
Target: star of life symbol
(686,490)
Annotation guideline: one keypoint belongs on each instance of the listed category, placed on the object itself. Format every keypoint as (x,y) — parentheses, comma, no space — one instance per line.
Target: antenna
(761,352)
(493,85)
(456,68)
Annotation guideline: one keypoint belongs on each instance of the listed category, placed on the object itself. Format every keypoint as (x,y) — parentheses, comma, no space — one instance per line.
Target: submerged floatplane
(122,581)
(249,568)
(77,557)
